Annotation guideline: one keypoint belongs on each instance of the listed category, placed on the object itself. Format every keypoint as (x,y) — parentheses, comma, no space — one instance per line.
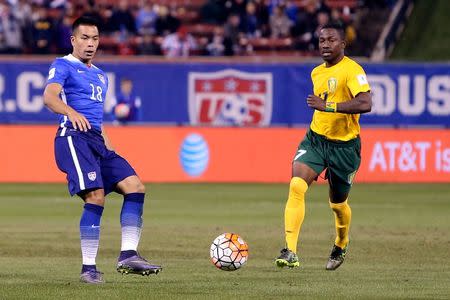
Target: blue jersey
(83,88)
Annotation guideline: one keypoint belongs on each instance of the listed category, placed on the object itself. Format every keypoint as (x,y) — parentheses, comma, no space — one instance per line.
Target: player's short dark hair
(83,20)
(337,26)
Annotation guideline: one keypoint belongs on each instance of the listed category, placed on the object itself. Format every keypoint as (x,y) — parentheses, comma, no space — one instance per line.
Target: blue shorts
(87,162)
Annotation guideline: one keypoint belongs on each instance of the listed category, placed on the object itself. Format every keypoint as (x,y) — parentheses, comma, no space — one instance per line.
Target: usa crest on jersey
(230,97)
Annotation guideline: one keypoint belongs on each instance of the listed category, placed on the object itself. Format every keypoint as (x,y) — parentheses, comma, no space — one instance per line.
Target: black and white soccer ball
(229,252)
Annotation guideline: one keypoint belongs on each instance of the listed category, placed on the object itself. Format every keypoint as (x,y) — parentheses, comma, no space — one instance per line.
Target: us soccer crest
(230,97)
(92,176)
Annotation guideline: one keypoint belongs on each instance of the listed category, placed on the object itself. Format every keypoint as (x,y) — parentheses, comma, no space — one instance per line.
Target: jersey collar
(72,58)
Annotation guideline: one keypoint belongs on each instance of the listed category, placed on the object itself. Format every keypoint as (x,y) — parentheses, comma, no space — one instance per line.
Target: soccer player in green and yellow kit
(341,94)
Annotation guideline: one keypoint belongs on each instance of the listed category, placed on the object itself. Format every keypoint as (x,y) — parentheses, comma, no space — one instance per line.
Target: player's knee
(95,198)
(140,187)
(298,185)
(338,197)
(130,185)
(136,186)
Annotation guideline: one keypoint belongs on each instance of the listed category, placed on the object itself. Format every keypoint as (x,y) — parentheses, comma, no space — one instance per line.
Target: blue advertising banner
(239,94)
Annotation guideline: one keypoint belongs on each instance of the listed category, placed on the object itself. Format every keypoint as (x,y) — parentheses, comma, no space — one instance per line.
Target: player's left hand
(315,102)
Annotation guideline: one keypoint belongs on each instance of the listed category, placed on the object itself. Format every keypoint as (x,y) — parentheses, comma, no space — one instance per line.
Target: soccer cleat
(287,258)
(336,258)
(92,277)
(137,265)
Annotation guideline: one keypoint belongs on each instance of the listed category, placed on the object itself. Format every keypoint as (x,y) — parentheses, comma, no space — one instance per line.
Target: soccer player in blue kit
(76,90)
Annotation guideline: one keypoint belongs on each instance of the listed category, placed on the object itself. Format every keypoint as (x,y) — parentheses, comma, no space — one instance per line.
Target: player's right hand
(79,122)
(315,102)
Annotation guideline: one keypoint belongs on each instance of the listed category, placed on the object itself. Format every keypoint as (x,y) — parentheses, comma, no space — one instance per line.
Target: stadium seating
(188,12)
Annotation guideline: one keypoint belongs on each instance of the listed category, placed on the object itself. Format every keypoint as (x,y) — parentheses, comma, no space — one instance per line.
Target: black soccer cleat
(336,258)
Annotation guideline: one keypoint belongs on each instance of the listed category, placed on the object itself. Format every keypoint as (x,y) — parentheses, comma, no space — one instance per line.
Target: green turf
(427,34)
(399,247)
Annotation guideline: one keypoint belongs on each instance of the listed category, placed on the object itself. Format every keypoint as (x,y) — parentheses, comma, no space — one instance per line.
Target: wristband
(330,107)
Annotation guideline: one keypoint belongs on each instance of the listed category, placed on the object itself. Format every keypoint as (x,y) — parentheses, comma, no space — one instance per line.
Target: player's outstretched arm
(54,103)
(362,103)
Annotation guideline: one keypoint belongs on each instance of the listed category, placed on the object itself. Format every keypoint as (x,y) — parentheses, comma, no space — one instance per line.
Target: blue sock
(126,254)
(86,268)
(131,222)
(90,234)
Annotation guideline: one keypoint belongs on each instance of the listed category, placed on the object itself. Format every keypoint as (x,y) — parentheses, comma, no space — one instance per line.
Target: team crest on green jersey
(332,85)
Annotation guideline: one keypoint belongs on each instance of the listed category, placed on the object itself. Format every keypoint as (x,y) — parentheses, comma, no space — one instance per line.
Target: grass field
(400,244)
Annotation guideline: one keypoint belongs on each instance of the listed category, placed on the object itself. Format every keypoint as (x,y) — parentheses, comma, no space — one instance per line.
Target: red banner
(190,154)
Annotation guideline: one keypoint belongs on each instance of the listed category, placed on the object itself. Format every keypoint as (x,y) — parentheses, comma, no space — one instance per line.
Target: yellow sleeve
(313,72)
(357,81)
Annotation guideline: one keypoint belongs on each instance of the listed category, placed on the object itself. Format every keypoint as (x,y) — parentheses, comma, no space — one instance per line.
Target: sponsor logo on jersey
(230,97)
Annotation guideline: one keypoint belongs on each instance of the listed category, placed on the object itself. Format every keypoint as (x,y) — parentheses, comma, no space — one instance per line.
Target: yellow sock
(294,212)
(342,218)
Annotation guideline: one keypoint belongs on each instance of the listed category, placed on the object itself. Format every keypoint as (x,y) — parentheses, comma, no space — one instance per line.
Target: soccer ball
(122,111)
(229,252)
